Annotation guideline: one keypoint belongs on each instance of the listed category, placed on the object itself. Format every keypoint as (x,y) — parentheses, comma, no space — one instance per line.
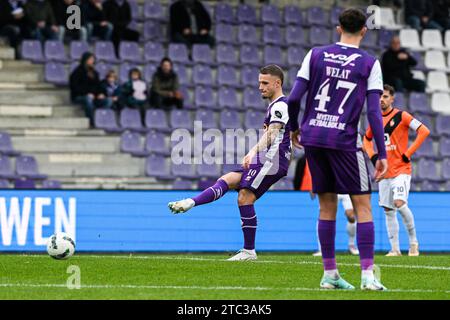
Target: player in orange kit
(394,188)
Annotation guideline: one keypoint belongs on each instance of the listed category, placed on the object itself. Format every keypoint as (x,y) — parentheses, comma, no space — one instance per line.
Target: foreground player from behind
(265,164)
(339,78)
(394,189)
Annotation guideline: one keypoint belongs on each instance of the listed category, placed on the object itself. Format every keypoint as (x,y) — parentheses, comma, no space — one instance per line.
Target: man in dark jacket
(190,23)
(97,24)
(165,87)
(419,15)
(118,13)
(61,16)
(85,87)
(41,20)
(13,23)
(396,64)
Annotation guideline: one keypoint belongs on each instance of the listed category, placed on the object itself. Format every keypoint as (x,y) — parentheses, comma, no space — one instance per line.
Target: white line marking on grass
(210,288)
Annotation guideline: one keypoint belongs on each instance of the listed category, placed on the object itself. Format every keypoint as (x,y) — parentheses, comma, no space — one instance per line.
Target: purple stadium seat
(4,184)
(246,14)
(157,119)
(444,147)
(153,10)
(152,31)
(385,37)
(27,166)
(103,68)
(207,118)
(181,184)
(272,35)
(201,53)
(334,15)
(134,6)
(124,71)
(370,40)
(155,142)
(131,119)
(247,34)
(225,54)
(316,16)
(6,147)
(204,97)
(229,119)
(149,70)
(32,50)
(208,170)
(426,170)
(283,185)
(273,55)
(153,52)
(227,98)
(202,75)
(446,170)
(295,56)
(270,14)
(249,55)
(24,183)
(188,97)
(77,48)
(186,171)
(430,186)
(54,51)
(293,15)
(158,167)
(400,100)
(181,119)
(253,100)
(183,77)
(442,125)
(51,184)
(426,150)
(224,13)
(420,62)
(6,171)
(319,36)
(129,51)
(295,36)
(418,102)
(254,119)
(249,75)
(130,142)
(104,51)
(106,119)
(224,33)
(292,75)
(178,52)
(56,73)
(227,76)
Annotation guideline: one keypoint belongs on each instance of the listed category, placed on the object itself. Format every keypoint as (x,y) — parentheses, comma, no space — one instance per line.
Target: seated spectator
(396,64)
(85,87)
(441,13)
(134,91)
(97,24)
(41,19)
(13,22)
(111,88)
(118,13)
(419,15)
(190,23)
(165,87)
(61,16)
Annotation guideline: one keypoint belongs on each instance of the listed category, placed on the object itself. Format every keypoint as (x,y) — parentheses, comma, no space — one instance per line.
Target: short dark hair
(273,70)
(389,88)
(352,20)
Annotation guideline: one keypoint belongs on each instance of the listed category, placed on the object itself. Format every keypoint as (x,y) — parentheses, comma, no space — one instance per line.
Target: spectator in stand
(97,24)
(419,15)
(13,22)
(396,63)
(61,16)
(118,13)
(441,13)
(190,23)
(85,87)
(397,3)
(41,19)
(111,88)
(134,91)
(165,87)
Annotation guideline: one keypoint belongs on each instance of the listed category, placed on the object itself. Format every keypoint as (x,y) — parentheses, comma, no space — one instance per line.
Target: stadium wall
(132,221)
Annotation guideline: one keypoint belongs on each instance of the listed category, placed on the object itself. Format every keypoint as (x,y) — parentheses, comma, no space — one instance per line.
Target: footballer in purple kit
(265,164)
(339,78)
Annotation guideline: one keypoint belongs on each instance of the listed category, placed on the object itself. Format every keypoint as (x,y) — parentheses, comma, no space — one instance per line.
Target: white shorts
(394,189)
(346,201)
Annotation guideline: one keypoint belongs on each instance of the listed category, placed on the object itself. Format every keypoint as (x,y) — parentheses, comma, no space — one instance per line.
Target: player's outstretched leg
(246,200)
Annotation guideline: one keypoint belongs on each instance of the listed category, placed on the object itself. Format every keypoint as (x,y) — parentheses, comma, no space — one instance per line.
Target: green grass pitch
(208,276)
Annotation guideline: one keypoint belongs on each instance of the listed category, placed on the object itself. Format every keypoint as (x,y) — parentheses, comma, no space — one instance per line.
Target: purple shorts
(259,178)
(338,171)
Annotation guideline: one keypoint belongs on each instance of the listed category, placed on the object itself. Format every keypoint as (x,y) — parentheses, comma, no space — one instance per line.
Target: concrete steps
(20,76)
(40,111)
(29,144)
(7,53)
(59,133)
(38,97)
(43,123)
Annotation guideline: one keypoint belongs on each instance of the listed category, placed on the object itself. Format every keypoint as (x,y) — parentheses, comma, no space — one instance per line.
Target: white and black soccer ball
(60,246)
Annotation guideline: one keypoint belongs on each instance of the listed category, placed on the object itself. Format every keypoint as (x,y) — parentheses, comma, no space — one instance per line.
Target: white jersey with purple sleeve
(339,78)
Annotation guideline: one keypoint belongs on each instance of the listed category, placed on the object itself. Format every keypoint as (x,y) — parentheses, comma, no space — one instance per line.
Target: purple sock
(365,236)
(249,223)
(212,193)
(327,234)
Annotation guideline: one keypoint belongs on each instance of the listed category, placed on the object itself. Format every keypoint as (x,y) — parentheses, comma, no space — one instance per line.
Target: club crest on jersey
(341,59)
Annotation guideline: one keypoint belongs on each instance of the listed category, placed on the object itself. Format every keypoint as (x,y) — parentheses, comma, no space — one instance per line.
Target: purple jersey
(339,77)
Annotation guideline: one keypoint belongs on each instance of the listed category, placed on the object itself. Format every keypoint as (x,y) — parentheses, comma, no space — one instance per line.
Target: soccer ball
(60,246)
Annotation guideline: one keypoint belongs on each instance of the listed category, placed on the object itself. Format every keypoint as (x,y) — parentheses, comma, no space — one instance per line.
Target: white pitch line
(210,288)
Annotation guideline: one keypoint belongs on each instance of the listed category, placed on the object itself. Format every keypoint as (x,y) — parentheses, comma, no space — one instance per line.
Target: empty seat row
(431,39)
(26,166)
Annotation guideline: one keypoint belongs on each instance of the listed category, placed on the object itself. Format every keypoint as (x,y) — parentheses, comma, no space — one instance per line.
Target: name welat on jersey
(338,73)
